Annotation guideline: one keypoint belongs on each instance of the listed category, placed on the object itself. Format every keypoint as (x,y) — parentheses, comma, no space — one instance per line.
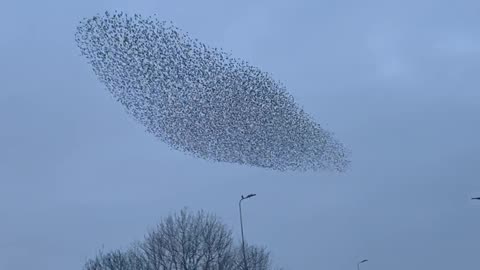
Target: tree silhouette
(184,241)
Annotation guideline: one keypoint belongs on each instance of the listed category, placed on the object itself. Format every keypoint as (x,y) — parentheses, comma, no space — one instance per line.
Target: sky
(396,81)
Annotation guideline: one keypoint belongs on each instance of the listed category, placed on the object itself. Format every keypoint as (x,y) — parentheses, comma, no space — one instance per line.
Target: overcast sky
(397,82)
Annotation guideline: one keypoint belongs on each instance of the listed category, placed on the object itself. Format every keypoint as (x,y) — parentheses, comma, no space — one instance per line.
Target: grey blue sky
(397,81)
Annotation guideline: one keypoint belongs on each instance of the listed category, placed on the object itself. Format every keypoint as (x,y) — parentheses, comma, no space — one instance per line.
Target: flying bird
(201,100)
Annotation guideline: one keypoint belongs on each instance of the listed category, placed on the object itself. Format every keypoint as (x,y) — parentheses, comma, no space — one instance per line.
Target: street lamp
(476,198)
(358,264)
(241,227)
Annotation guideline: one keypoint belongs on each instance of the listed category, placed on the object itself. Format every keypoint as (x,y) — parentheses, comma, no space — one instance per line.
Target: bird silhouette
(201,100)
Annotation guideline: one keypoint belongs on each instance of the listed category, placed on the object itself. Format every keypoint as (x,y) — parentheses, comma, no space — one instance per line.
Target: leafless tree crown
(184,241)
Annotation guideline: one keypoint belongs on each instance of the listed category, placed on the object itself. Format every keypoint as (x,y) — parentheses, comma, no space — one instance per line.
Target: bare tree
(184,241)
(258,258)
(116,260)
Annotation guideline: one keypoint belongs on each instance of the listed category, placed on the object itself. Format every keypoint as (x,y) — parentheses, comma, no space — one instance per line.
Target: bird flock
(201,100)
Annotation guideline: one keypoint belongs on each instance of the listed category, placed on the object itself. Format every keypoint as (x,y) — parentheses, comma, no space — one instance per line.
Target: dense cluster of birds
(201,100)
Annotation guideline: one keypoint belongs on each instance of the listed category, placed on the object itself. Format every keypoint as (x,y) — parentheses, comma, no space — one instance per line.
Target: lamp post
(476,198)
(358,264)
(241,227)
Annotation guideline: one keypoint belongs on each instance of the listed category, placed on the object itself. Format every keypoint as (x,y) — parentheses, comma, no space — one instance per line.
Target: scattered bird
(201,100)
